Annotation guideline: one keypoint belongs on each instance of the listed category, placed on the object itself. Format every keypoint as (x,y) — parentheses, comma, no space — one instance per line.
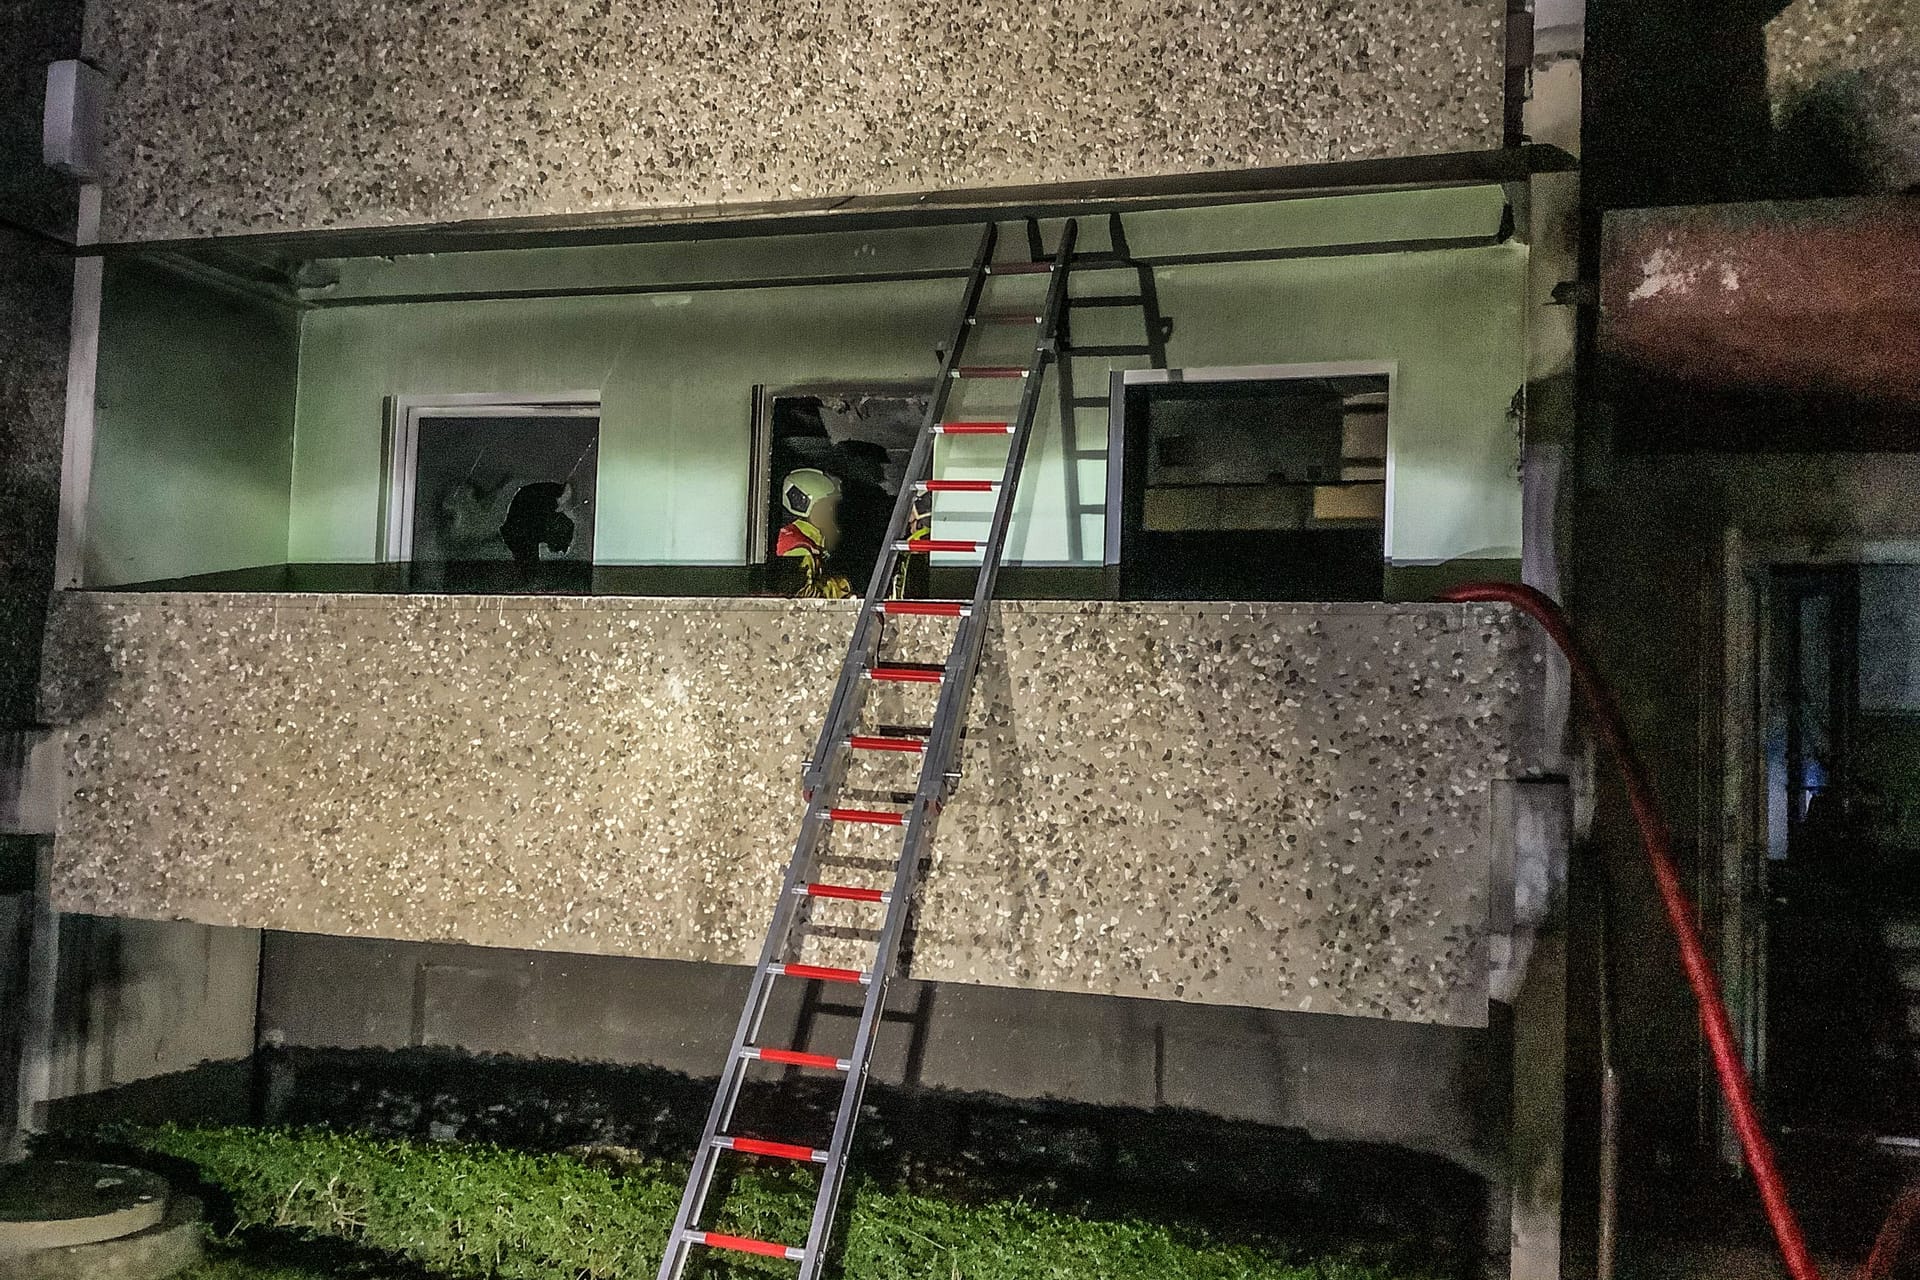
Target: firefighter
(806,542)
(906,581)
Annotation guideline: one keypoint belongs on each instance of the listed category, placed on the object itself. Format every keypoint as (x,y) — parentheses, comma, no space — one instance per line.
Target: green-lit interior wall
(675,374)
(193,436)
(676,370)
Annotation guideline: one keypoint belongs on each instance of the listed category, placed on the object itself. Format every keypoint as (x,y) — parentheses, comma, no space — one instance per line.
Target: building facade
(1275,808)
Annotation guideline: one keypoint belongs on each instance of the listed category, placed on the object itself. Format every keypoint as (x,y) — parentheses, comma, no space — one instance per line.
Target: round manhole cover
(50,1204)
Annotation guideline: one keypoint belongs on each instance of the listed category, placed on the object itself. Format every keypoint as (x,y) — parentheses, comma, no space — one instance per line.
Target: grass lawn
(395,1210)
(245,1265)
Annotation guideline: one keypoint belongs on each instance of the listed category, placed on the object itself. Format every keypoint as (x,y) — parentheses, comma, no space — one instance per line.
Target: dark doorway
(1843,807)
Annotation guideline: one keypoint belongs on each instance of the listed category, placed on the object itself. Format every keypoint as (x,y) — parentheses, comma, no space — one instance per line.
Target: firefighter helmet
(806,490)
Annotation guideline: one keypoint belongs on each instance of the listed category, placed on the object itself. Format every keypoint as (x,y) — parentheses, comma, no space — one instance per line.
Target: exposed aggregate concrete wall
(1280,806)
(279,116)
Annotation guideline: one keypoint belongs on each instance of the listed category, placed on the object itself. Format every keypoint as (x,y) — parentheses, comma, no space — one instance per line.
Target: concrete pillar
(1542,810)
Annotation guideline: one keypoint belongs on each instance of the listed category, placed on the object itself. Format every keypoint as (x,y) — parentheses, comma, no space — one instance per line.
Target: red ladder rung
(957,486)
(925,546)
(1005,317)
(926,608)
(974,428)
(746,1244)
(878,817)
(908,674)
(819,971)
(990,371)
(845,892)
(1018,268)
(795,1058)
(875,742)
(783,1150)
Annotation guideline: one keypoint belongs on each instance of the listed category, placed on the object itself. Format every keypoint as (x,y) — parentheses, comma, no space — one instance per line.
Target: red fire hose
(1655,837)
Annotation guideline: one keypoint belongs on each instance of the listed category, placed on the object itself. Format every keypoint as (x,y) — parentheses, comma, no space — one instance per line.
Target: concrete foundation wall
(1282,806)
(141,999)
(285,116)
(1426,1088)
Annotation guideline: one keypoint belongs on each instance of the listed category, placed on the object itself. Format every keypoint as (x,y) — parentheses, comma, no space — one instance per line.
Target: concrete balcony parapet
(1287,806)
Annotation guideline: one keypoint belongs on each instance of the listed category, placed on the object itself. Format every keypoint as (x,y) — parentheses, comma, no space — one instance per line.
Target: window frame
(760,456)
(1121,379)
(401,447)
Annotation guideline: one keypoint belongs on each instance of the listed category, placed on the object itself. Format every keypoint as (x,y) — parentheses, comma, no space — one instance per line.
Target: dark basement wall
(1432,1091)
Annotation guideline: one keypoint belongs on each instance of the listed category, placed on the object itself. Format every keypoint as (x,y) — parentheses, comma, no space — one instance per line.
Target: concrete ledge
(1031,93)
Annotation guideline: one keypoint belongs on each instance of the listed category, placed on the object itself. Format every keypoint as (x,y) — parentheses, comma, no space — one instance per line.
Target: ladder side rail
(919,830)
(935,771)
(972,638)
(733,1075)
(847,693)
(813,824)
(1069,437)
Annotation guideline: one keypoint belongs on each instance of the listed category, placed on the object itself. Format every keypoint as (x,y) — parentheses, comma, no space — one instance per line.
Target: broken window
(829,465)
(496,497)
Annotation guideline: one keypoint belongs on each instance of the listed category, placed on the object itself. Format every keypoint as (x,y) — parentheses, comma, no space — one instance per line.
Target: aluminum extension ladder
(937,748)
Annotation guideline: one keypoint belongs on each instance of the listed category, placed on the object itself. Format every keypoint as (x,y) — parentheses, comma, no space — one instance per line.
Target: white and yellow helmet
(804,490)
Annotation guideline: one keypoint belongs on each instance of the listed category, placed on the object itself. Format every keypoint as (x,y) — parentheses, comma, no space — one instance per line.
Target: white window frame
(403,446)
(1117,417)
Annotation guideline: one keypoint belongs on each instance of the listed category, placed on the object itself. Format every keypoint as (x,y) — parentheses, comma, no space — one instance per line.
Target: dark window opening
(1842,897)
(1255,489)
(830,466)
